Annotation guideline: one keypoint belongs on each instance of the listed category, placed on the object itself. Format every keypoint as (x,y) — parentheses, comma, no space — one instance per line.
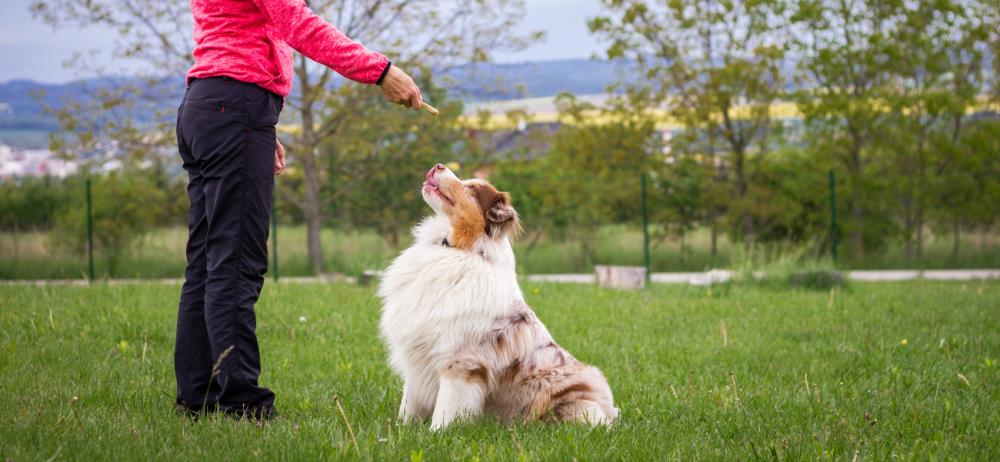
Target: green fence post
(90,234)
(274,229)
(645,229)
(833,216)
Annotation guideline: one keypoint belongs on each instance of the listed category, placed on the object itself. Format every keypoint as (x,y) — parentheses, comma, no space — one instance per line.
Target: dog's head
(475,208)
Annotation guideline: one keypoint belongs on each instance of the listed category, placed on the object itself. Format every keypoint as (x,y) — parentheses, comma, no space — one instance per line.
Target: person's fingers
(279,158)
(399,88)
(419,99)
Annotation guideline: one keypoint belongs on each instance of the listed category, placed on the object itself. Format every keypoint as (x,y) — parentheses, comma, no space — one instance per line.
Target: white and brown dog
(459,332)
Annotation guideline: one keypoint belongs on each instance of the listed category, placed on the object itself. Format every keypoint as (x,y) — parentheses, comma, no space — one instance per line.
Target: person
(227,142)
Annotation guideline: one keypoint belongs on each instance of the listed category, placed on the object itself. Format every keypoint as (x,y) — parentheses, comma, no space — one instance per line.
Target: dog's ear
(501,211)
(501,218)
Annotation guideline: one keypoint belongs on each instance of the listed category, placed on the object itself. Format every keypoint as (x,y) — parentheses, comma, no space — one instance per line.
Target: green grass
(878,371)
(160,254)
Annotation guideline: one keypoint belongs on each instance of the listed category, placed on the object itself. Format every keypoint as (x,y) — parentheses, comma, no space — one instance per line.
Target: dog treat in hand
(427,107)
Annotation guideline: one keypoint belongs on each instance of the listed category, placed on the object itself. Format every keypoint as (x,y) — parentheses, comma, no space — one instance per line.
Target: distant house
(17,163)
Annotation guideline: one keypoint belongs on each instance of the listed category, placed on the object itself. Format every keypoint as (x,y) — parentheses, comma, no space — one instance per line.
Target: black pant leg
(192,348)
(230,129)
(255,214)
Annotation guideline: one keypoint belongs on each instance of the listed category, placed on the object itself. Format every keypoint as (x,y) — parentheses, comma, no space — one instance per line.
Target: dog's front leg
(461,392)
(417,401)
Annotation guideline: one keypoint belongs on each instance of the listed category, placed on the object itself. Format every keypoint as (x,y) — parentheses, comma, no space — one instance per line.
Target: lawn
(873,371)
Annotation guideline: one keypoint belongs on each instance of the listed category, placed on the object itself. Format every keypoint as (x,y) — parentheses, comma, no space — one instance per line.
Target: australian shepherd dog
(458,330)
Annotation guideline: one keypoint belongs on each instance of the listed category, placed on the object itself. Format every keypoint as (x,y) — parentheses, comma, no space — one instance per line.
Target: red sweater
(252,40)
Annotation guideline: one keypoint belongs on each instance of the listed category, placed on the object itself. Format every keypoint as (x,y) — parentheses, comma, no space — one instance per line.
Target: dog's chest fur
(437,298)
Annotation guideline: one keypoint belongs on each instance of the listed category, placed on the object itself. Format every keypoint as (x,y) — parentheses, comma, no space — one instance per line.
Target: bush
(125,207)
(781,266)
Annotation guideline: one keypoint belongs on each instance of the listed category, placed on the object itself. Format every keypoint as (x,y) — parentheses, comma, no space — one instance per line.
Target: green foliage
(895,98)
(680,195)
(885,90)
(591,175)
(124,208)
(782,266)
(31,203)
(381,156)
(716,68)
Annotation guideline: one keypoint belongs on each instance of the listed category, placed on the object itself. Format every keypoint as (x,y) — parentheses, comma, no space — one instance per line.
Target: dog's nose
(434,171)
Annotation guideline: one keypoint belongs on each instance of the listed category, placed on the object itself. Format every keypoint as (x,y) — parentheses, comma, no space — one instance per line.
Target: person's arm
(319,40)
(322,42)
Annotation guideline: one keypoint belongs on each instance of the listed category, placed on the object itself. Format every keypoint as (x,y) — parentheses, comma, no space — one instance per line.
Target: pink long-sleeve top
(252,41)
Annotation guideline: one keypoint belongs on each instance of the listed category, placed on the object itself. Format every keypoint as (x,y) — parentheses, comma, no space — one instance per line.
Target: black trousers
(226,138)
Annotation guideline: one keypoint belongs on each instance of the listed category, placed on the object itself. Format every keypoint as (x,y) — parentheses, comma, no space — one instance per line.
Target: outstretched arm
(319,40)
(322,42)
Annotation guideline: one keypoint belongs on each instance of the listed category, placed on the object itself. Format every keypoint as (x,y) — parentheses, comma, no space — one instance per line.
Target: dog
(458,331)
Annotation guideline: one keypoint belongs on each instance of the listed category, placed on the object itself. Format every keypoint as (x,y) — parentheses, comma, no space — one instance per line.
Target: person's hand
(279,157)
(399,88)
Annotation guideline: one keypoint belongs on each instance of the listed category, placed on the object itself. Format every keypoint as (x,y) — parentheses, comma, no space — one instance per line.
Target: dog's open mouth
(431,184)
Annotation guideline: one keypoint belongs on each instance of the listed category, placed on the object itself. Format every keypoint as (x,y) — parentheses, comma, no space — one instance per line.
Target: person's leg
(233,139)
(192,349)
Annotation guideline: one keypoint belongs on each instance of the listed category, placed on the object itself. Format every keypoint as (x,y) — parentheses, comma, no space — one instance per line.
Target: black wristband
(384,72)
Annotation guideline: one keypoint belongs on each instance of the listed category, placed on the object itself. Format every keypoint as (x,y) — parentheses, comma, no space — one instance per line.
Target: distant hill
(533,79)
(24,123)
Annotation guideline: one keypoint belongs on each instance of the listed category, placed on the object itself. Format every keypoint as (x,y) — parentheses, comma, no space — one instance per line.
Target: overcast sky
(29,49)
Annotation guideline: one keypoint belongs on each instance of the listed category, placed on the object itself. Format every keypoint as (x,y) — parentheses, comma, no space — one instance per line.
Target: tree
(414,33)
(680,190)
(456,31)
(960,193)
(375,182)
(118,114)
(591,176)
(936,73)
(125,207)
(716,65)
(843,76)
(967,186)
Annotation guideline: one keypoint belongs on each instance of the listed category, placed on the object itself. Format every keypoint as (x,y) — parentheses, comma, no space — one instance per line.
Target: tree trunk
(682,245)
(908,221)
(857,212)
(17,229)
(394,238)
(956,230)
(715,241)
(746,221)
(312,206)
(919,193)
(919,247)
